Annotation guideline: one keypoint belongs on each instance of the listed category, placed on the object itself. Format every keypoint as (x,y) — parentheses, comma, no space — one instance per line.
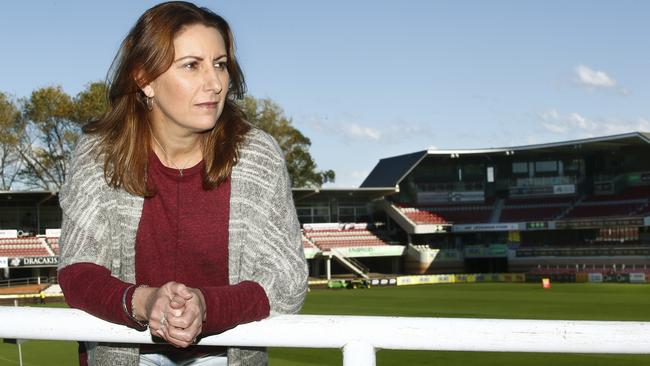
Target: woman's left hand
(186,316)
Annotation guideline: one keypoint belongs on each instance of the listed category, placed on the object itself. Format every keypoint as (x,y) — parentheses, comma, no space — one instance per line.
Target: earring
(149,103)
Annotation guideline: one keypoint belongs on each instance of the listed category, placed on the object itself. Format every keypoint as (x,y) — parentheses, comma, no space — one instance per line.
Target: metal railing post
(358,353)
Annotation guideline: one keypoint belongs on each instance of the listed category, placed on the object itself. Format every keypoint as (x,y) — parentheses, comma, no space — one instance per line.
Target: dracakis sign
(33,262)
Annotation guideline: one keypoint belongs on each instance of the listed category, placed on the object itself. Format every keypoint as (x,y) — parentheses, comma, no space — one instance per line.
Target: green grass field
(485,300)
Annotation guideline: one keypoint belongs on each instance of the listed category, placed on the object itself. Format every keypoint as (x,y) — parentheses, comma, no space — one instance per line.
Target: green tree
(52,125)
(268,116)
(10,130)
(91,103)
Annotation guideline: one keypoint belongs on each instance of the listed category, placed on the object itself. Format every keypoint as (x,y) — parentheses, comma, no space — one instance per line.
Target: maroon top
(182,236)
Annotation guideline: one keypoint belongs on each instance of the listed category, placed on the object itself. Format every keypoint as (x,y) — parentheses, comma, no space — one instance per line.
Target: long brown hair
(146,53)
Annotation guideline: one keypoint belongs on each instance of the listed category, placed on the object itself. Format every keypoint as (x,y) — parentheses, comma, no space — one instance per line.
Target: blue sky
(366,80)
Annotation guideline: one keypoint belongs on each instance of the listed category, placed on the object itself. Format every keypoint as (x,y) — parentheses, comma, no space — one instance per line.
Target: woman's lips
(208,105)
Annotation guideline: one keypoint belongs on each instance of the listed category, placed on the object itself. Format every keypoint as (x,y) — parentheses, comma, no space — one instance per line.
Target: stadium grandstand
(573,208)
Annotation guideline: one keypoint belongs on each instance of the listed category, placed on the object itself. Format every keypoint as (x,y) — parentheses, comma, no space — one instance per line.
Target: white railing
(358,336)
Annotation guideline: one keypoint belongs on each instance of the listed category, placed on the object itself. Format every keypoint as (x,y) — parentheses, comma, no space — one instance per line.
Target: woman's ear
(148,91)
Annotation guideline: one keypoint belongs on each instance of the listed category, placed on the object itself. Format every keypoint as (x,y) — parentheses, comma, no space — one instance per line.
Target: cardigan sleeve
(84,266)
(231,305)
(281,267)
(82,199)
(91,288)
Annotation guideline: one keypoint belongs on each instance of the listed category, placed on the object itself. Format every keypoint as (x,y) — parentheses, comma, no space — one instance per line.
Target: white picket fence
(359,337)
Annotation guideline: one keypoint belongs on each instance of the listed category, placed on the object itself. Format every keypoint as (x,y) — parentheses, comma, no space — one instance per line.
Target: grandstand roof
(25,198)
(339,193)
(389,172)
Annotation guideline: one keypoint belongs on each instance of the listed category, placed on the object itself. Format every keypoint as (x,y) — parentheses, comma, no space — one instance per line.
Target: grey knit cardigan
(264,244)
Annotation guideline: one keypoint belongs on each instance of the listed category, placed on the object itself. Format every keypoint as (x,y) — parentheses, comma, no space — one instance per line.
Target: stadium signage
(424,280)
(556,189)
(8,234)
(383,281)
(34,262)
(537,225)
(53,233)
(564,189)
(531,191)
(446,197)
(377,251)
(513,226)
(490,251)
(583,252)
(460,278)
(4,262)
(637,278)
(595,277)
(599,223)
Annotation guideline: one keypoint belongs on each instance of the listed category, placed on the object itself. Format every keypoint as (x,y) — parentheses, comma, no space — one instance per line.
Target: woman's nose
(212,81)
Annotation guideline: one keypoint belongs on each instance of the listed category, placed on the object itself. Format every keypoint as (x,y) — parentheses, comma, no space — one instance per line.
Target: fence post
(357,353)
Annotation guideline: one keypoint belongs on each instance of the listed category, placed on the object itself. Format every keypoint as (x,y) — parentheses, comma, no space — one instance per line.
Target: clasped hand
(175,312)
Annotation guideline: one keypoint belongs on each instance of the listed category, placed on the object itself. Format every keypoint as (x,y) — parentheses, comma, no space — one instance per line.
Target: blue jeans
(157,359)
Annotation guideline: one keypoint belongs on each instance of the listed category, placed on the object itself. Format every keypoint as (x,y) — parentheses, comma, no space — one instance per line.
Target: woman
(177,214)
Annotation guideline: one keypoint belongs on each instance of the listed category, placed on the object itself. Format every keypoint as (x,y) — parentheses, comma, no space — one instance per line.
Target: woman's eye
(190,65)
(220,64)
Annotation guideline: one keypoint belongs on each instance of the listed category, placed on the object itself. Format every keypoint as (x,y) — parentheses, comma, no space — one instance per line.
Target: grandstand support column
(38,212)
(357,353)
(395,265)
(328,267)
(409,239)
(315,268)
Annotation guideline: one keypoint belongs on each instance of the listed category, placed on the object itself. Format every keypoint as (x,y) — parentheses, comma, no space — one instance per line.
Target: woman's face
(189,96)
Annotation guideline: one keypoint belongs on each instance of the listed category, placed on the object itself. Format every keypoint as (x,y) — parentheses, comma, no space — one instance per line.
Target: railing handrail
(28,281)
(358,336)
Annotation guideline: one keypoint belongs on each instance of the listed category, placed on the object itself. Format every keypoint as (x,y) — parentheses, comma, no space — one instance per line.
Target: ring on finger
(162,320)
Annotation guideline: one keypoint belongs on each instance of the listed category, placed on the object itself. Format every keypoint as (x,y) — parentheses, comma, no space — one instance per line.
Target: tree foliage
(91,103)
(43,131)
(9,133)
(269,117)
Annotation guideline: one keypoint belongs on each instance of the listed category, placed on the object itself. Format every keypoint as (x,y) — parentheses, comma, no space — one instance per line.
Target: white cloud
(555,128)
(357,131)
(593,78)
(351,130)
(551,114)
(575,125)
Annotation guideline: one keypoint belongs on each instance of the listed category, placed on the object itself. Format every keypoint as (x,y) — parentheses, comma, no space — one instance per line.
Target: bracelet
(131,314)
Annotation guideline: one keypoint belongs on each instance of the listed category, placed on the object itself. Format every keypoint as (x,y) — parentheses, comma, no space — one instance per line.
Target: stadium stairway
(568,210)
(350,263)
(496,212)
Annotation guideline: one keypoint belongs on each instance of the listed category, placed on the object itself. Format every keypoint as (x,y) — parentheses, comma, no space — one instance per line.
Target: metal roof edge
(424,155)
(639,134)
